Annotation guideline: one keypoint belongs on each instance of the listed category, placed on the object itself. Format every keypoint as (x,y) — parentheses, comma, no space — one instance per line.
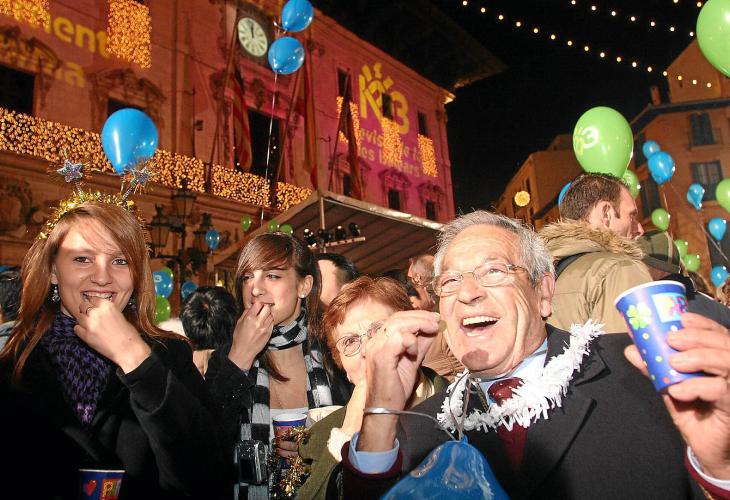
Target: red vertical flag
(241,130)
(310,128)
(347,127)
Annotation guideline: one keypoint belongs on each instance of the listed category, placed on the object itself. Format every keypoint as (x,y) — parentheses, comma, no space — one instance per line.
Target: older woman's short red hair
(385,291)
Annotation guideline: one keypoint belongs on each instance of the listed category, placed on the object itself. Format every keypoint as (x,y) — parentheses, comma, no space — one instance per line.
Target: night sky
(496,123)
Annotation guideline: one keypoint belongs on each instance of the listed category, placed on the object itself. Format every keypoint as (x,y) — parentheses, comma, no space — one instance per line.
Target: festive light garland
(33,12)
(355,120)
(631,19)
(128,32)
(427,155)
(392,144)
(603,54)
(26,135)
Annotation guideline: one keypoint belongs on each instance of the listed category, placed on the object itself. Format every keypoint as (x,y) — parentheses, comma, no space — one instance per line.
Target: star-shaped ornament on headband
(71,171)
(140,177)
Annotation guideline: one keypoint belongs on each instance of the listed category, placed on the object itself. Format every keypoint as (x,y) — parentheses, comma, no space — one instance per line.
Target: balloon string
(387,411)
(271,129)
(702,227)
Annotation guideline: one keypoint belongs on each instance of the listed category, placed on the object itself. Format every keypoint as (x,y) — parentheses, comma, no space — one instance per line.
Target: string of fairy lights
(129,32)
(27,135)
(630,18)
(604,54)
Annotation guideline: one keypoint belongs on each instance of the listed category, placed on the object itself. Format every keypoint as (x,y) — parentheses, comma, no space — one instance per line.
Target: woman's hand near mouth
(103,327)
(251,335)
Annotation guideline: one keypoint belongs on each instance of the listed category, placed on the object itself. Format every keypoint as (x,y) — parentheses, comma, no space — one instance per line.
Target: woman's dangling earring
(131,304)
(55,297)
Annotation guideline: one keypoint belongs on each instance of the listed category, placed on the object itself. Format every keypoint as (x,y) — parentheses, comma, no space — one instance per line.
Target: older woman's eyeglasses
(351,344)
(488,274)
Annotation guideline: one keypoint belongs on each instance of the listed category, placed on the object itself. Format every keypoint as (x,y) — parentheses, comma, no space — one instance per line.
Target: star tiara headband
(133,176)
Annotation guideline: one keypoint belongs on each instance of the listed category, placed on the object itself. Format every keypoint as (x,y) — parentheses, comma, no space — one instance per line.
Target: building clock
(253,37)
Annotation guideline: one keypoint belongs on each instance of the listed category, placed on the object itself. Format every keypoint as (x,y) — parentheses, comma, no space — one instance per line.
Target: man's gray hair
(534,255)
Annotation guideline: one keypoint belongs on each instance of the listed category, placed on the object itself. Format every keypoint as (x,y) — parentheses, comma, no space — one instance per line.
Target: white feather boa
(532,400)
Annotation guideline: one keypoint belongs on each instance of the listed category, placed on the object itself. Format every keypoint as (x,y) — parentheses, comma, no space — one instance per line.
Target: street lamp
(183,203)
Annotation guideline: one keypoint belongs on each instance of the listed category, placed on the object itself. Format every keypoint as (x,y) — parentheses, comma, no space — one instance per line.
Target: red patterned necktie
(514,440)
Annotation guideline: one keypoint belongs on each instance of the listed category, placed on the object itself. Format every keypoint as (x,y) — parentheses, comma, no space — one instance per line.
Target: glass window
(387,106)
(709,174)
(431,211)
(639,158)
(422,124)
(394,199)
(16,90)
(113,105)
(715,256)
(343,82)
(649,197)
(259,127)
(701,129)
(346,185)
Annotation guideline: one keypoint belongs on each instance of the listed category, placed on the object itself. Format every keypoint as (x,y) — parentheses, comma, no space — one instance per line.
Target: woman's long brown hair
(279,250)
(37,310)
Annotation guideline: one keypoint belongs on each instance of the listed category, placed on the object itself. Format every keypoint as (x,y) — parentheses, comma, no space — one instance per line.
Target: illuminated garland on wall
(128,32)
(33,12)
(25,135)
(355,120)
(603,54)
(392,144)
(427,155)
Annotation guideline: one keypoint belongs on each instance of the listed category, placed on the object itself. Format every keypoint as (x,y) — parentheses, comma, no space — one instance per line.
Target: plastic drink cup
(284,422)
(651,311)
(99,484)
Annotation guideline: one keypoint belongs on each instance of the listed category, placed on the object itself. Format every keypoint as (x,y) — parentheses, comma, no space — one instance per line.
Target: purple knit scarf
(82,372)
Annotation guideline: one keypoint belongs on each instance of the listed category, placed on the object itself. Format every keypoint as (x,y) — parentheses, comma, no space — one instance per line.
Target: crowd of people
(508,335)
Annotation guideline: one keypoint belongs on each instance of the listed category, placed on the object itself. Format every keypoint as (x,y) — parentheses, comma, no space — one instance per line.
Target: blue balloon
(212,238)
(562,192)
(187,288)
(717,227)
(129,137)
(297,15)
(163,283)
(719,276)
(695,193)
(286,55)
(453,470)
(661,167)
(649,148)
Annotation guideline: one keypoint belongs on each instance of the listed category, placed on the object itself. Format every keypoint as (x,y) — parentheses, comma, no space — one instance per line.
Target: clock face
(252,37)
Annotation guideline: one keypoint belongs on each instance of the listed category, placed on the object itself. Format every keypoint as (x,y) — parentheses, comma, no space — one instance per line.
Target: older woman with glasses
(354,316)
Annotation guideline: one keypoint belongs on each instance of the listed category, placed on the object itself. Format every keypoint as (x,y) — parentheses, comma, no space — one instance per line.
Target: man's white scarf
(529,402)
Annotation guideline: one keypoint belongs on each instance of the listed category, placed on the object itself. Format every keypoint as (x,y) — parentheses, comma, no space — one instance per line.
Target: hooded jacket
(588,287)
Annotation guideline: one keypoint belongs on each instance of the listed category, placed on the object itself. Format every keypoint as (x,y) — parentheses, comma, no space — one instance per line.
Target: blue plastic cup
(651,311)
(98,484)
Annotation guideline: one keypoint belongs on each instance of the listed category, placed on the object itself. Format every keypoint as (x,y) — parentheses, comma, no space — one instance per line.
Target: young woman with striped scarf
(274,365)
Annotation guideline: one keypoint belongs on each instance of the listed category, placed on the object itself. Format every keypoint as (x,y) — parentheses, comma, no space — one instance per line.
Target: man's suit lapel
(548,440)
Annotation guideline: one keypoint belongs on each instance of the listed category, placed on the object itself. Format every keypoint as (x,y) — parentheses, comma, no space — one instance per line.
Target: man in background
(336,271)
(9,301)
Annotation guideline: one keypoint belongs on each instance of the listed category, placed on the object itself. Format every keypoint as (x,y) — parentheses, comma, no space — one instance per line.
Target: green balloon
(162,309)
(682,247)
(166,270)
(272,226)
(660,218)
(286,229)
(603,141)
(691,262)
(632,181)
(722,193)
(246,223)
(713,34)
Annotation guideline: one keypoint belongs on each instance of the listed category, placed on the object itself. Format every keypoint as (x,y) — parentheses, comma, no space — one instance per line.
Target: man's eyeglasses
(488,274)
(350,345)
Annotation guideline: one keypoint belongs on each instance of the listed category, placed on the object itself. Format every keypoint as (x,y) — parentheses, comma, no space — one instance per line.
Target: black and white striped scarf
(318,388)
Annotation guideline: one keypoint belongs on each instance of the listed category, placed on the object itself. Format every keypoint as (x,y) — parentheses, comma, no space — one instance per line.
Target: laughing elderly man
(612,435)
